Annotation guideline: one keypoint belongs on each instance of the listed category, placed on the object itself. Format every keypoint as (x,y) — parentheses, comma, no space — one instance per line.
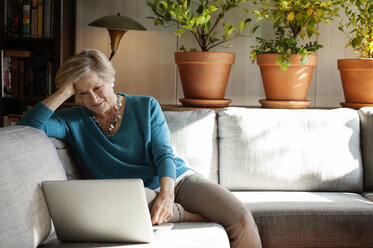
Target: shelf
(27,40)
(35,72)
(34,98)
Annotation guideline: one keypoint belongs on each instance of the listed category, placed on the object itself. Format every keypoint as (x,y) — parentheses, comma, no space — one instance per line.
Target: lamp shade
(116,25)
(117,22)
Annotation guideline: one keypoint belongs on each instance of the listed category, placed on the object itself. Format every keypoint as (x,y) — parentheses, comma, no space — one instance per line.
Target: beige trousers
(196,194)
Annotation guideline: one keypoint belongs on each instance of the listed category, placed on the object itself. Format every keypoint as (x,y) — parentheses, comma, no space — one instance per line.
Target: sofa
(306,176)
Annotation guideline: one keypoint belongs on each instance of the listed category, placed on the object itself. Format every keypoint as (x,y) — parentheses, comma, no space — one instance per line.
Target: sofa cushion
(273,149)
(310,219)
(73,164)
(183,235)
(368,195)
(194,137)
(366,118)
(27,157)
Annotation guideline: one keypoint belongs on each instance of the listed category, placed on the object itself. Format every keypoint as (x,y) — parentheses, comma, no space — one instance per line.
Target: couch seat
(311,219)
(182,235)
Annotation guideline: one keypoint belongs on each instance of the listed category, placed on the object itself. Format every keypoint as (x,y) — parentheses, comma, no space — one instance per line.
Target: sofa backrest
(366,119)
(274,149)
(194,138)
(27,157)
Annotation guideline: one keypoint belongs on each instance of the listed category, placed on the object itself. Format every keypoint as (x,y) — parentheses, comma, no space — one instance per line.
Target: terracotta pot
(357,79)
(204,75)
(290,85)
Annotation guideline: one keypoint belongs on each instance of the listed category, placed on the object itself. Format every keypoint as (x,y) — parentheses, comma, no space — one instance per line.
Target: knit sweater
(141,147)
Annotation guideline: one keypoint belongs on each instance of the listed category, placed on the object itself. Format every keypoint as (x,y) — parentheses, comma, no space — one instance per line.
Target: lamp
(117,26)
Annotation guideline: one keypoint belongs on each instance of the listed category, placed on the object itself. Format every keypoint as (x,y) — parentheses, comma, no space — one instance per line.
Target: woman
(124,136)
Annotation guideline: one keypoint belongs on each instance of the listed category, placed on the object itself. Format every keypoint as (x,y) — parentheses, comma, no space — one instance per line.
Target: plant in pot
(357,74)
(204,74)
(286,65)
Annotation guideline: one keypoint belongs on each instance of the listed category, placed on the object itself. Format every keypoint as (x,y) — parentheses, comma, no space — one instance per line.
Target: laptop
(109,210)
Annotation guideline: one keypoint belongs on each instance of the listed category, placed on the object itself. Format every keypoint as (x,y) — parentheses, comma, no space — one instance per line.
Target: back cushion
(273,149)
(366,117)
(194,138)
(27,157)
(73,164)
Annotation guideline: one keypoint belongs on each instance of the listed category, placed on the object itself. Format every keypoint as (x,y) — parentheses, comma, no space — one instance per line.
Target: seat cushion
(185,235)
(278,149)
(194,138)
(306,219)
(27,157)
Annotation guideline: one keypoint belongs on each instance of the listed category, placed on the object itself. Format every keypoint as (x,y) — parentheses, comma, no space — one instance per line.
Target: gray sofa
(304,174)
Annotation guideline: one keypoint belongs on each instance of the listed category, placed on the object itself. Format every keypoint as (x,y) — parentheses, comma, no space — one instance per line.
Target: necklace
(113,121)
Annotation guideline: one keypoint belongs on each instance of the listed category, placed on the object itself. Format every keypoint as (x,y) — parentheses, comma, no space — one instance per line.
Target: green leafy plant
(360,21)
(293,20)
(200,18)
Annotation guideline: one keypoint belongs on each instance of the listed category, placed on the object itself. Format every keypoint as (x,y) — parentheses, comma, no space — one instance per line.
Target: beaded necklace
(113,121)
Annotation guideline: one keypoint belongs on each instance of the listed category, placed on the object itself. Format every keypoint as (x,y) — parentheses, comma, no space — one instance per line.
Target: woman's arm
(165,163)
(42,115)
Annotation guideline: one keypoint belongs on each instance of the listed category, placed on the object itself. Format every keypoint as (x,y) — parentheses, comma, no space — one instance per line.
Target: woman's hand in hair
(68,89)
(64,92)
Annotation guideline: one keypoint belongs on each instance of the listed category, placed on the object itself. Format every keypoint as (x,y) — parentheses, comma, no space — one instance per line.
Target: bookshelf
(32,50)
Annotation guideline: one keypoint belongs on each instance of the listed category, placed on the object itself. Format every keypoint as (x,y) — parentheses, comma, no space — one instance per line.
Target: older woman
(125,136)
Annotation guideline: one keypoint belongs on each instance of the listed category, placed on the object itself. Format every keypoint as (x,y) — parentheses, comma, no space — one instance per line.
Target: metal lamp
(117,26)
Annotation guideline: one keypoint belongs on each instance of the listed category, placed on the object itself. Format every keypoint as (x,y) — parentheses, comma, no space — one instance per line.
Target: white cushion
(273,149)
(193,135)
(27,157)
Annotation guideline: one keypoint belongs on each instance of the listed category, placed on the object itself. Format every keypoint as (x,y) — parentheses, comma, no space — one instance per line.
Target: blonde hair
(81,64)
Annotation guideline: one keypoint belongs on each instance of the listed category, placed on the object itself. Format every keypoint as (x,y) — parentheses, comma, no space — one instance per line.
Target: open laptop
(112,210)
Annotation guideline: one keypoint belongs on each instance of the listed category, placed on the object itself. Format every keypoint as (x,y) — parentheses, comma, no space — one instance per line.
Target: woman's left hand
(162,208)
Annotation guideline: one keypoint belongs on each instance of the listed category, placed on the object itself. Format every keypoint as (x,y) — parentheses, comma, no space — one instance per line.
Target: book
(47,25)
(28,87)
(40,19)
(20,77)
(26,18)
(5,76)
(18,53)
(12,19)
(13,119)
(5,16)
(34,18)
(14,78)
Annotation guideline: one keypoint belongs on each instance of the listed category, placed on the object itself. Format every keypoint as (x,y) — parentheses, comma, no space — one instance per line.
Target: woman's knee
(199,195)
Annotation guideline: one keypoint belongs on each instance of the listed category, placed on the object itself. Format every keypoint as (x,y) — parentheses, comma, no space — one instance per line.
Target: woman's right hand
(67,88)
(64,92)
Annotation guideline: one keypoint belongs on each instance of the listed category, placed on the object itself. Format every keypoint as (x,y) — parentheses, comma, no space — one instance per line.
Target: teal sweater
(140,149)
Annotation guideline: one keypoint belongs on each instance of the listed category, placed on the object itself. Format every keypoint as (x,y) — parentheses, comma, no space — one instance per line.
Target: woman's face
(98,96)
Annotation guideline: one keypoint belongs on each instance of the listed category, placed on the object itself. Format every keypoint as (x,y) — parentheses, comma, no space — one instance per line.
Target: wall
(145,63)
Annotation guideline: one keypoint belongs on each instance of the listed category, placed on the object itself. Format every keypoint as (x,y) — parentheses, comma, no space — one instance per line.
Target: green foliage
(293,20)
(360,21)
(199,17)
(284,45)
